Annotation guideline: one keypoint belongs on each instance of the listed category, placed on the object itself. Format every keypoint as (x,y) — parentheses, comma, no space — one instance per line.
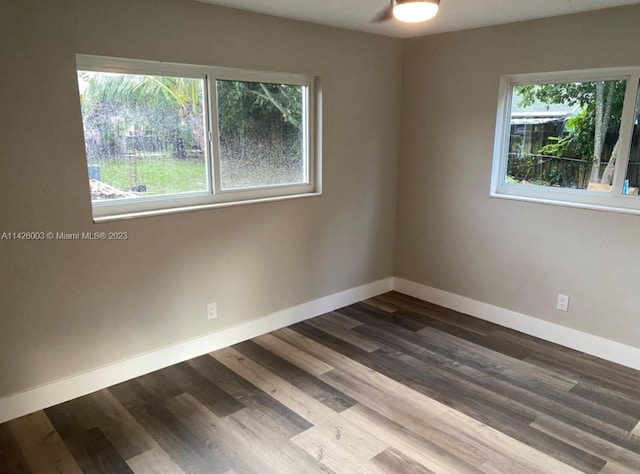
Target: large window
(570,138)
(164,137)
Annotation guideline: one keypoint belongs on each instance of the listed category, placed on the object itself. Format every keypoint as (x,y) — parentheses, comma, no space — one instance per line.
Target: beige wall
(68,307)
(516,255)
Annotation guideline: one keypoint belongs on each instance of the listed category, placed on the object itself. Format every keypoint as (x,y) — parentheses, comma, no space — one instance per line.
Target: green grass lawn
(164,175)
(161,175)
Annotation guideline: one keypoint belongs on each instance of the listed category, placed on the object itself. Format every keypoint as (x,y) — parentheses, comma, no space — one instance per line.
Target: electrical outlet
(563,303)
(212,311)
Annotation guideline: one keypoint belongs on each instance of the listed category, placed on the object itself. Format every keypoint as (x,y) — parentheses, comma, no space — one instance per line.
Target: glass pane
(261,134)
(564,135)
(632,181)
(144,135)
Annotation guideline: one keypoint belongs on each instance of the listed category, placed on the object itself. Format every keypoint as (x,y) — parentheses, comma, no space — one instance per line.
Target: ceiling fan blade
(383,15)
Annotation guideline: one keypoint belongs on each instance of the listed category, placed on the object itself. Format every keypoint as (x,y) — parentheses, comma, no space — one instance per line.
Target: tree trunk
(606,115)
(598,138)
(607,176)
(270,97)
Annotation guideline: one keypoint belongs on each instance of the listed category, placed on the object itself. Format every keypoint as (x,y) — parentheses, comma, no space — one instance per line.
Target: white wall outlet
(212,311)
(563,303)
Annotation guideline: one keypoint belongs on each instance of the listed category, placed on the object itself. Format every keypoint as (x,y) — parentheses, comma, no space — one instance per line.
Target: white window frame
(608,201)
(214,196)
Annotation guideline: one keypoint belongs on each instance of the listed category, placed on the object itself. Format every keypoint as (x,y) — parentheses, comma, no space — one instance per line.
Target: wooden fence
(559,170)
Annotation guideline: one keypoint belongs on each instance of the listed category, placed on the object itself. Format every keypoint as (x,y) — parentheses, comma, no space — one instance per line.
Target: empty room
(339,236)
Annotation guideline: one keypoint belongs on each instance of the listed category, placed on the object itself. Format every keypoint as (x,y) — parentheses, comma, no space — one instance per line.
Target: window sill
(579,205)
(200,207)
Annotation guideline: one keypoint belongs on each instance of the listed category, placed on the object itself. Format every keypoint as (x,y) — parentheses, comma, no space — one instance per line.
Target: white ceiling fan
(409,11)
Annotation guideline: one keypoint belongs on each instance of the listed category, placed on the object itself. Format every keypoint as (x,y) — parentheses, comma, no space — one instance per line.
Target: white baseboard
(597,346)
(78,385)
(60,391)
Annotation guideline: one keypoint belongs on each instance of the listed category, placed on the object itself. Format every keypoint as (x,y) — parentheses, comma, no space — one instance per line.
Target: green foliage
(577,141)
(259,122)
(168,111)
(568,93)
(129,113)
(251,104)
(140,91)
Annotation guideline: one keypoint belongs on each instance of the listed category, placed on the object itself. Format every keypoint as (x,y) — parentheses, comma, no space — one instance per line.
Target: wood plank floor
(388,385)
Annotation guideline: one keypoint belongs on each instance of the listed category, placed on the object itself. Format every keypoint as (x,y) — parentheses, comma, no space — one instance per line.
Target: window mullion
(214,135)
(625,134)
(307,120)
(502,133)
(505,134)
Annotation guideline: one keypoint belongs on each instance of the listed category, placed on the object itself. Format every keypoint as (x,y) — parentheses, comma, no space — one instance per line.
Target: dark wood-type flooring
(388,385)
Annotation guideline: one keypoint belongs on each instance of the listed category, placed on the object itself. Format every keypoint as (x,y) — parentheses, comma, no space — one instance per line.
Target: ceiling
(453,14)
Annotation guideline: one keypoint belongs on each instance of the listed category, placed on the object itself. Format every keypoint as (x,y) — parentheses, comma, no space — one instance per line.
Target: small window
(569,138)
(161,137)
